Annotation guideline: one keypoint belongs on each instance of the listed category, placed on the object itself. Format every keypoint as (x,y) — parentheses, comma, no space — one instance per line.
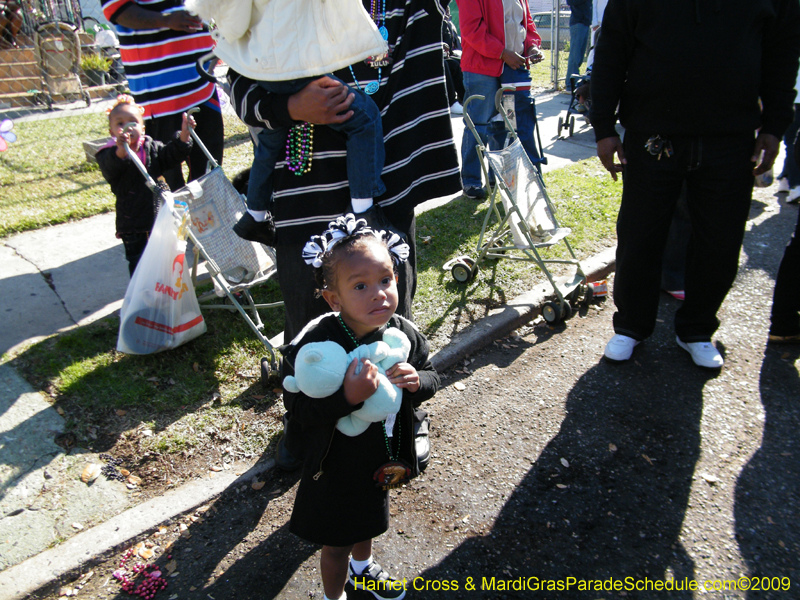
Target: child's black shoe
(254,231)
(377,582)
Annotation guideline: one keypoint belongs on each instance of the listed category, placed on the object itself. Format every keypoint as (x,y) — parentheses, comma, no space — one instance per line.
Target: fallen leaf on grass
(565,462)
(153,379)
(257,485)
(134,480)
(196,367)
(612,448)
(647,458)
(124,472)
(146,553)
(561,486)
(121,413)
(60,410)
(215,468)
(90,473)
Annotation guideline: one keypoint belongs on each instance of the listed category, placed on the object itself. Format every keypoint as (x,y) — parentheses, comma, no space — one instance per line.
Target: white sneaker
(783,185)
(620,347)
(794,195)
(704,354)
(457,109)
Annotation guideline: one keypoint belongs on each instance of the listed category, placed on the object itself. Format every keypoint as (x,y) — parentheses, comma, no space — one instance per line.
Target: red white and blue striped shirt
(160,63)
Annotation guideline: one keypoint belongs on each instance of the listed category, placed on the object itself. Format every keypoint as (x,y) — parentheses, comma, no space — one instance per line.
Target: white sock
(361,204)
(359,566)
(259,215)
(342,597)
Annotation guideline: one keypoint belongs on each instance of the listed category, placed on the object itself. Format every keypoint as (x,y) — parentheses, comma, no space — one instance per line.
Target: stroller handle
(201,69)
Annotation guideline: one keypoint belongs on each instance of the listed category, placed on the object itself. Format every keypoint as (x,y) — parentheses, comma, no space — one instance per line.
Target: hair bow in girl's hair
(124,99)
(344,226)
(398,249)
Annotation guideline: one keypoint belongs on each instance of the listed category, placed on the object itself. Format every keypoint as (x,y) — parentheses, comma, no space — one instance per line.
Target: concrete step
(10,85)
(19,69)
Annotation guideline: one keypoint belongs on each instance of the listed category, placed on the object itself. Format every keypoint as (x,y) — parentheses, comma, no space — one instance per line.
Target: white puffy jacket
(278,40)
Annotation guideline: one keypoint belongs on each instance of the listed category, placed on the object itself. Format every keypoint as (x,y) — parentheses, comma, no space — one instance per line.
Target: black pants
(719,184)
(298,287)
(134,244)
(454,80)
(209,129)
(785,316)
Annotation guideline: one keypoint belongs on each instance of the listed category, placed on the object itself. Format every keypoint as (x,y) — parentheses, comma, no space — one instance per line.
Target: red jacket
(483,36)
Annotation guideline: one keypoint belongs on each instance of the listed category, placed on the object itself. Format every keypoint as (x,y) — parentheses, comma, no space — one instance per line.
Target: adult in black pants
(785,317)
(653,60)
(454,79)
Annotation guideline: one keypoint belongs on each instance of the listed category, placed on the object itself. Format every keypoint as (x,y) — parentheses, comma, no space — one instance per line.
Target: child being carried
(259,39)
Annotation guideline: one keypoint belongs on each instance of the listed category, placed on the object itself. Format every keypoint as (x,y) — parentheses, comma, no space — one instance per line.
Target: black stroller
(580,88)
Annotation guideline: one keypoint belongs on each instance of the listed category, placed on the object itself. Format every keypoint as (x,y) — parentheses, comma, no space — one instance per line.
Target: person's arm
(323,101)
(609,71)
(475,29)
(134,16)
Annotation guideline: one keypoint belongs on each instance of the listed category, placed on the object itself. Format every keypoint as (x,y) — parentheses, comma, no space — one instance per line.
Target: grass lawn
(212,383)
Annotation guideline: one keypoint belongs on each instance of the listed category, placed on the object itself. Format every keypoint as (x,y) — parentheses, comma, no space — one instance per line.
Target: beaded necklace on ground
(300,148)
(351,334)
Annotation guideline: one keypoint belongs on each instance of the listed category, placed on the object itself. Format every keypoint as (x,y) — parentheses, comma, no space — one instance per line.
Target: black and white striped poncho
(421,160)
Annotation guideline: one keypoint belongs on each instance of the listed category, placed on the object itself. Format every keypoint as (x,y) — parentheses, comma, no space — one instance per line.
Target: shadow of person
(606,498)
(767,497)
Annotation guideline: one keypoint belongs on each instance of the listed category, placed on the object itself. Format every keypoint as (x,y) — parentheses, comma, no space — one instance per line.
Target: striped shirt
(160,63)
(421,159)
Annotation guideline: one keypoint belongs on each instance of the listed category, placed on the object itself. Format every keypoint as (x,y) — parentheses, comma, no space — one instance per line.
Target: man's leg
(164,129)
(720,187)
(649,194)
(578,39)
(785,317)
(480,112)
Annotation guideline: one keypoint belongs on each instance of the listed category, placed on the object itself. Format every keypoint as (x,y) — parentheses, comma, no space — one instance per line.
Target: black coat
(136,204)
(342,505)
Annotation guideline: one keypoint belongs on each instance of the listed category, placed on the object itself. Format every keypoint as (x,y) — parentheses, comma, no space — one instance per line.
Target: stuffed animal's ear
(312,356)
(290,384)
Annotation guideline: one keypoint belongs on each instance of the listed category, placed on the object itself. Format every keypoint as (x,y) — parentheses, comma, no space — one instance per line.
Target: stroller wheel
(461,272)
(566,310)
(550,312)
(560,124)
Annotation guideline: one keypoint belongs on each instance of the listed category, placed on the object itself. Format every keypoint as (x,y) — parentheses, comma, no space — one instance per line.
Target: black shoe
(377,582)
(254,231)
(475,193)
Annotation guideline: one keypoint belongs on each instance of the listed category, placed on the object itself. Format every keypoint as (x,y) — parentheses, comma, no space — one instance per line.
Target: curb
(92,546)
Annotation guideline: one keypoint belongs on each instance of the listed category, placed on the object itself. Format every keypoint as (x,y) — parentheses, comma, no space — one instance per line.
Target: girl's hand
(403,375)
(358,388)
(187,120)
(123,140)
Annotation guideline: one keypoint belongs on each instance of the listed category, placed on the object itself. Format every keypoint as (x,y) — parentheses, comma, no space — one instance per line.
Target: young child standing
(285,45)
(340,502)
(136,204)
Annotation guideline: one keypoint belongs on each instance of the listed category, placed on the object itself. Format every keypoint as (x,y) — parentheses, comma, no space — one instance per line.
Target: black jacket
(136,204)
(696,67)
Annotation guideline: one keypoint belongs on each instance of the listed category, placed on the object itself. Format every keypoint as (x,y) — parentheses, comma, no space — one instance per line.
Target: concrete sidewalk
(60,277)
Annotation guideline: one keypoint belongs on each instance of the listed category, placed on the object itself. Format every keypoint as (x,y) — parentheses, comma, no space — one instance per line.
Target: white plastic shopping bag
(160,310)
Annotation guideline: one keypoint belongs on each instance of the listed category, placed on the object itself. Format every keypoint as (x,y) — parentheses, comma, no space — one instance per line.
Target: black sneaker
(254,231)
(377,582)
(475,193)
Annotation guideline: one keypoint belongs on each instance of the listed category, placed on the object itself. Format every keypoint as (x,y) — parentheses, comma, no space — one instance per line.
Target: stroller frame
(58,52)
(511,221)
(247,307)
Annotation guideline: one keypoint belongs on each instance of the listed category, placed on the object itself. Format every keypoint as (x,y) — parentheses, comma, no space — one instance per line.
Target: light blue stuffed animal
(320,367)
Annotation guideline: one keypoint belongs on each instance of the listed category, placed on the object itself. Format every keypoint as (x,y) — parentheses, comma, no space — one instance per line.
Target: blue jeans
(719,183)
(365,151)
(482,111)
(578,39)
